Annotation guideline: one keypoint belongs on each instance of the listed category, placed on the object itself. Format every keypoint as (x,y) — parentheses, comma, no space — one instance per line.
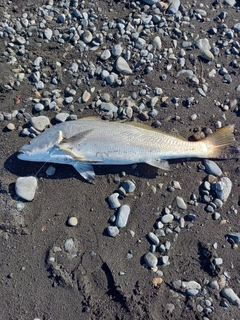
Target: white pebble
(72,221)
(25,187)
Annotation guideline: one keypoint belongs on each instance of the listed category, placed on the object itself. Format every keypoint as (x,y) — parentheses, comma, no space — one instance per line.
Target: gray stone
(62,116)
(129,186)
(167,218)
(122,216)
(117,50)
(40,123)
(25,187)
(123,67)
(153,238)
(223,188)
(105,55)
(48,33)
(112,231)
(203,44)
(192,292)
(212,168)
(150,259)
(191,285)
(108,106)
(113,201)
(231,296)
(181,203)
(207,55)
(173,8)
(39,107)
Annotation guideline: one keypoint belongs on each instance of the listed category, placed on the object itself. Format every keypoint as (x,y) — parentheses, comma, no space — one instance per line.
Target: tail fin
(220,143)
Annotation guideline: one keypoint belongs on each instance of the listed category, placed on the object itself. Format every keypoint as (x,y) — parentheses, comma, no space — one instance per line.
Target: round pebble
(167,218)
(114,201)
(151,260)
(181,203)
(11,126)
(212,168)
(72,221)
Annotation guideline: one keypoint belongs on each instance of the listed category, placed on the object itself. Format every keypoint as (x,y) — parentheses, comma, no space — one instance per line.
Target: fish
(87,142)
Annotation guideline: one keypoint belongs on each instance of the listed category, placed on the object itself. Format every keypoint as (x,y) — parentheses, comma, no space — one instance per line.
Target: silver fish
(89,141)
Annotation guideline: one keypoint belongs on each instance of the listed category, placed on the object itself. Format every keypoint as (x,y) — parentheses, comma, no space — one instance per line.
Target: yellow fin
(219,141)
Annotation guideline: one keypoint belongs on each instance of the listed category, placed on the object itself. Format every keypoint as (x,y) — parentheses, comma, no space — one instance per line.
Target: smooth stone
(167,218)
(236,27)
(214,285)
(207,55)
(62,116)
(231,296)
(11,127)
(203,44)
(129,186)
(105,55)
(112,231)
(39,107)
(150,259)
(48,33)
(153,238)
(160,233)
(140,43)
(223,188)
(25,187)
(165,260)
(40,123)
(50,171)
(191,285)
(212,168)
(108,106)
(117,50)
(122,216)
(218,261)
(174,6)
(123,67)
(192,292)
(235,236)
(86,96)
(87,36)
(113,201)
(72,221)
(181,203)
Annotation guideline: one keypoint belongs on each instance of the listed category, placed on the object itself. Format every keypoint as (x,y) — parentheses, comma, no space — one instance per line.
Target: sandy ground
(100,283)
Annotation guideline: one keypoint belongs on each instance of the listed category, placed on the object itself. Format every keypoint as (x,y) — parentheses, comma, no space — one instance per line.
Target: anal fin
(161,164)
(85,170)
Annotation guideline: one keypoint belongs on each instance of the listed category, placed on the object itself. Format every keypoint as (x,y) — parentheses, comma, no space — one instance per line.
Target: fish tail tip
(221,143)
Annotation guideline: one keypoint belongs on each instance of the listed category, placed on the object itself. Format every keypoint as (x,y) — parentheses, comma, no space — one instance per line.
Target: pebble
(11,126)
(114,201)
(39,107)
(212,168)
(153,238)
(86,96)
(191,285)
(105,55)
(122,216)
(70,247)
(72,221)
(112,231)
(167,218)
(129,186)
(25,187)
(151,260)
(223,188)
(40,123)
(157,43)
(108,106)
(123,67)
(181,203)
(231,296)
(61,117)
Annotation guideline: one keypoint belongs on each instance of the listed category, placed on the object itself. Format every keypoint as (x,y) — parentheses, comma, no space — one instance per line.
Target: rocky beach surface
(140,243)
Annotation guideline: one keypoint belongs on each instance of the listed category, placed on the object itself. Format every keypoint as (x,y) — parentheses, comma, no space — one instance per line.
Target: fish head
(41,147)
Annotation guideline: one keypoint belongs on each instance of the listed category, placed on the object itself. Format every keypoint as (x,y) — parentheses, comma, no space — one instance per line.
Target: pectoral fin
(69,142)
(85,170)
(161,164)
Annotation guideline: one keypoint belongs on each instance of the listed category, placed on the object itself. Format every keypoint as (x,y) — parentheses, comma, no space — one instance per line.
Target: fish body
(85,142)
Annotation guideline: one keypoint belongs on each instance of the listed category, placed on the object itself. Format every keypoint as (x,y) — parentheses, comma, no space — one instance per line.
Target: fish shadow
(27,168)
